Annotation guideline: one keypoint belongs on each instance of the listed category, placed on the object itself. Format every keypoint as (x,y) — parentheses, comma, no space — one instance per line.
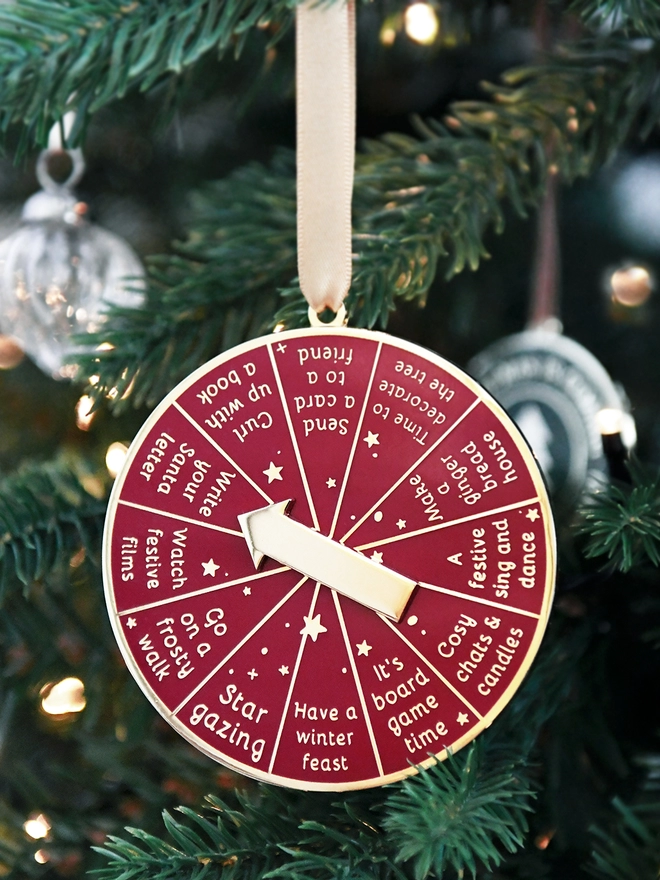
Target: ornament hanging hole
(52,168)
(340,319)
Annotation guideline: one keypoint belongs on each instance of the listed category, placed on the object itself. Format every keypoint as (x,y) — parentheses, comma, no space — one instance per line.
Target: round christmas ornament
(555,391)
(59,272)
(330,555)
(552,387)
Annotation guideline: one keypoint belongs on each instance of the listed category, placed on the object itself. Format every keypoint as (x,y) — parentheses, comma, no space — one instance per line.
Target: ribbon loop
(325,150)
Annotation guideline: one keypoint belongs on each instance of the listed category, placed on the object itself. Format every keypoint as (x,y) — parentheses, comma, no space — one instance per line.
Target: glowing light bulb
(115,457)
(41,856)
(63,697)
(37,826)
(84,416)
(609,421)
(615,421)
(543,840)
(421,23)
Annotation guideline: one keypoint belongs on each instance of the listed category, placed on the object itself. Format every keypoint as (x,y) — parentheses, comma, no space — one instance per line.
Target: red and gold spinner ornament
(329,556)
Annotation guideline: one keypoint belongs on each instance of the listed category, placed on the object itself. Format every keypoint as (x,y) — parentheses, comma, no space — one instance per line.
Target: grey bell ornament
(59,272)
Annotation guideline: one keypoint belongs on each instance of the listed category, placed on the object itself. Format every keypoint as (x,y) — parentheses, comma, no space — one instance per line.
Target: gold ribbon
(325,149)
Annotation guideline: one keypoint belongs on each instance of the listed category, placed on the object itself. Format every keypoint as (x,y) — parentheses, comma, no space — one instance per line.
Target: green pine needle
(629,16)
(418,202)
(459,813)
(59,55)
(623,522)
(630,848)
(219,290)
(453,815)
(45,513)
(266,838)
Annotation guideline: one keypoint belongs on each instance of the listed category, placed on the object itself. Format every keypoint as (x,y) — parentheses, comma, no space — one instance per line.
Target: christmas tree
(469,114)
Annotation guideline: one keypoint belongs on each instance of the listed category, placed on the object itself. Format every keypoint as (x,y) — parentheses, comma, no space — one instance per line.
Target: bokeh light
(610,421)
(84,416)
(36,826)
(631,286)
(115,457)
(63,697)
(421,23)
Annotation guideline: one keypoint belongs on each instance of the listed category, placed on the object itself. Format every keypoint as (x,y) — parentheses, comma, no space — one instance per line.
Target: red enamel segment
(156,557)
(498,557)
(325,384)
(240,407)
(412,710)
(178,644)
(325,736)
(237,712)
(190,477)
(411,406)
(477,648)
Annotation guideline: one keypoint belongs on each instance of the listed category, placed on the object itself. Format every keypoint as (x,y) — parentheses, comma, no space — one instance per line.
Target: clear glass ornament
(59,272)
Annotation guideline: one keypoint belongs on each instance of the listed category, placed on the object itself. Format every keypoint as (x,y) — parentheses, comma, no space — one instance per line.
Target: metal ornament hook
(57,140)
(44,176)
(339,320)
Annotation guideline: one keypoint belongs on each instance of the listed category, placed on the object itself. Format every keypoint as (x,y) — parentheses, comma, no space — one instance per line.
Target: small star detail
(131,622)
(376,556)
(532,515)
(281,347)
(401,524)
(331,483)
(273,472)
(363,648)
(247,591)
(283,670)
(371,439)
(462,718)
(253,674)
(210,568)
(313,627)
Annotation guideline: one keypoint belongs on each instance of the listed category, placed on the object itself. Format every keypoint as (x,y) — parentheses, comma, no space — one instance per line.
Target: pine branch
(630,848)
(59,55)
(623,522)
(418,201)
(451,814)
(219,290)
(629,16)
(459,813)
(45,513)
(261,837)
